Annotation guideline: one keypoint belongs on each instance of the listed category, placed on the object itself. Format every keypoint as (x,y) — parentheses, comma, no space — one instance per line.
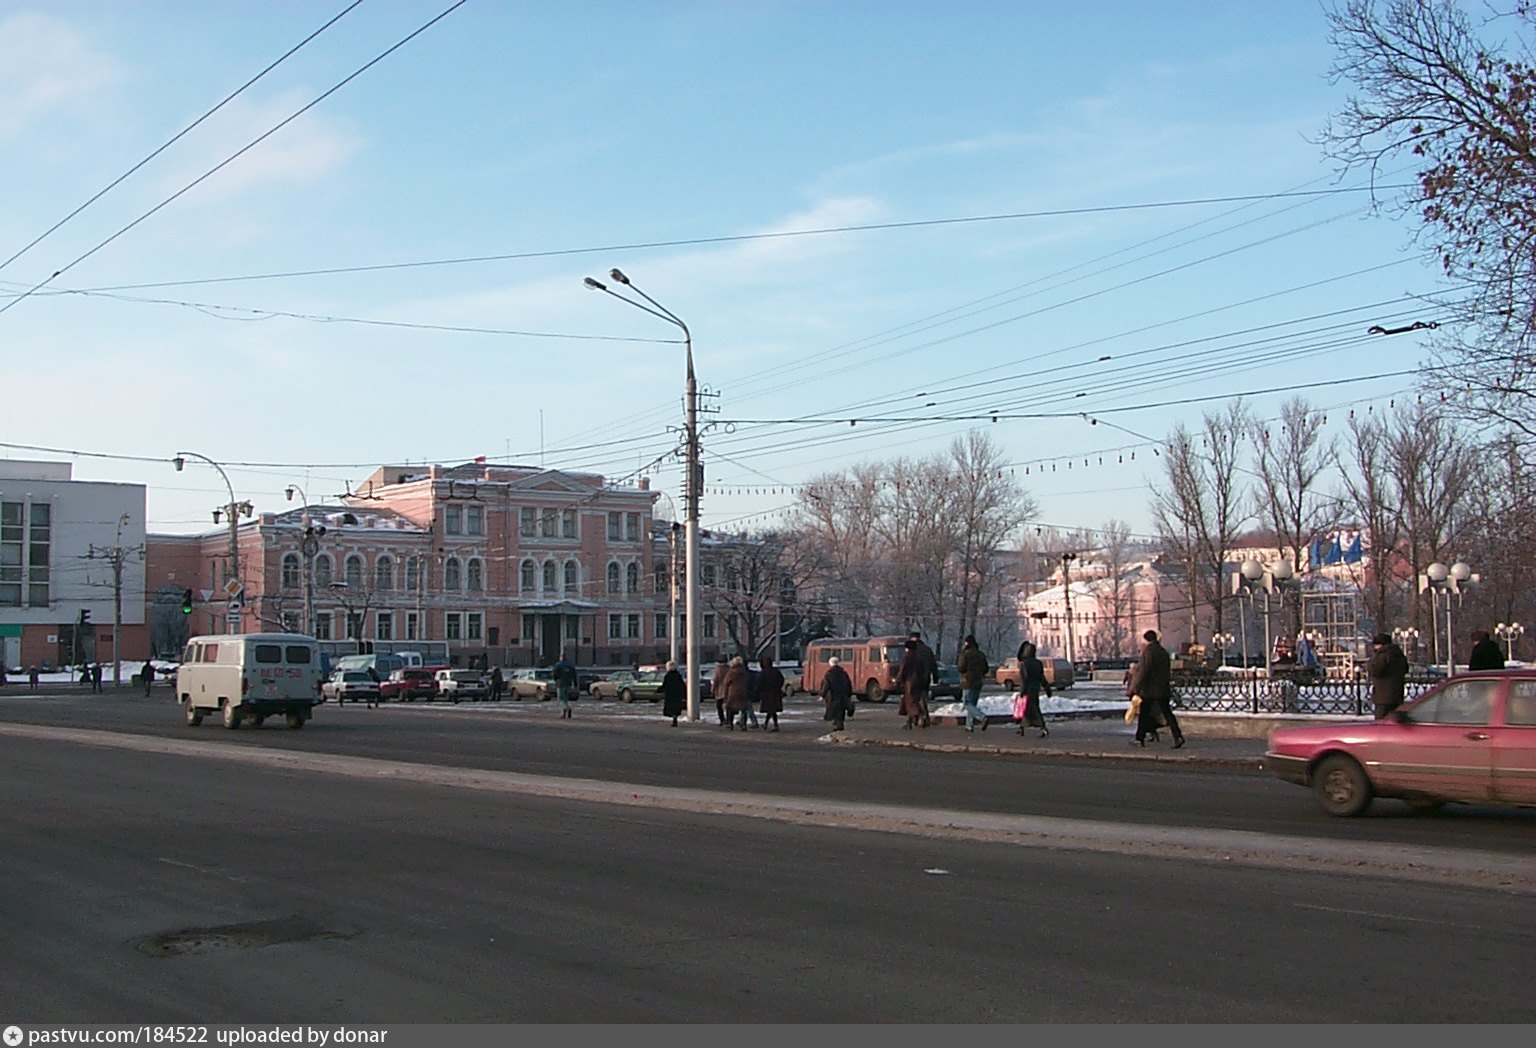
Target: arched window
(452,579)
(384,574)
(355,571)
(663,577)
(290,571)
(476,575)
(413,574)
(632,578)
(549,576)
(572,577)
(323,571)
(526,581)
(614,577)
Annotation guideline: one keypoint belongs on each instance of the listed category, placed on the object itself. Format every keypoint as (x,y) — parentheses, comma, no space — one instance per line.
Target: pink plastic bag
(1020,706)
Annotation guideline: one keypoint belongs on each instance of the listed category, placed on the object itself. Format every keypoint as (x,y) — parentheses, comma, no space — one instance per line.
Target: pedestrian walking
(565,685)
(1388,670)
(717,686)
(674,693)
(96,676)
(1151,678)
(912,678)
(1485,653)
(973,667)
(837,693)
(498,684)
(1032,682)
(770,693)
(32,676)
(735,696)
(925,687)
(147,676)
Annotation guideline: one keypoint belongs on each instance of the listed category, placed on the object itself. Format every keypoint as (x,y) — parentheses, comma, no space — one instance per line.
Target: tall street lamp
(1252,578)
(1508,631)
(309,546)
(1221,642)
(1066,592)
(233,586)
(693,484)
(1450,581)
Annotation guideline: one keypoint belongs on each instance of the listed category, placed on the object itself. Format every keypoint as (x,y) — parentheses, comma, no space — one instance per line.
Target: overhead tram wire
(240,152)
(180,134)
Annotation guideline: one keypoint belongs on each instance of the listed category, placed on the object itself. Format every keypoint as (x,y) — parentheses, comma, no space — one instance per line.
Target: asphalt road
(412,865)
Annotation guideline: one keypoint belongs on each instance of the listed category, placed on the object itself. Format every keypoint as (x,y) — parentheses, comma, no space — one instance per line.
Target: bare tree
(1457,98)
(1292,459)
(1370,495)
(1433,467)
(988,507)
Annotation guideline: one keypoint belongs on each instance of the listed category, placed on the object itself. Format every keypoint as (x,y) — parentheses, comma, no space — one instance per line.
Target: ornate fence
(1247,693)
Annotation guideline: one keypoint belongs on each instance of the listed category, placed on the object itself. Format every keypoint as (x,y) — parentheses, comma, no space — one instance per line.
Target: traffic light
(85,617)
(186,602)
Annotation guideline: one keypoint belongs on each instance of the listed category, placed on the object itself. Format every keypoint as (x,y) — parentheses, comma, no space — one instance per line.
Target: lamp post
(1508,631)
(309,546)
(1221,641)
(1439,579)
(233,586)
(1253,578)
(1406,637)
(1066,592)
(693,484)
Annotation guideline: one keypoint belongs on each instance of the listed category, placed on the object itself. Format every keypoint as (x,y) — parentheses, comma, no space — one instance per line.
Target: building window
(572,577)
(632,624)
(474,626)
(632,578)
(615,527)
(549,576)
(708,622)
(12,548)
(549,523)
(527,521)
(452,579)
(384,574)
(568,523)
(615,627)
(571,624)
(322,627)
(632,527)
(39,548)
(613,580)
(412,626)
(384,625)
(663,583)
(354,623)
(706,574)
(476,575)
(661,627)
(526,583)
(453,520)
(290,571)
(529,627)
(323,569)
(474,520)
(355,572)
(453,626)
(413,574)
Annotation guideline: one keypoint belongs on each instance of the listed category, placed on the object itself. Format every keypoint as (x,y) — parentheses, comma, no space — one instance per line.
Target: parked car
(409,684)
(350,686)
(456,685)
(948,685)
(628,685)
(532,684)
(1470,739)
(1059,672)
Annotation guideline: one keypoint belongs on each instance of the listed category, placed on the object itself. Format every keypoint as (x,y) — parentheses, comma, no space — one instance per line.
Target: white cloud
(46,69)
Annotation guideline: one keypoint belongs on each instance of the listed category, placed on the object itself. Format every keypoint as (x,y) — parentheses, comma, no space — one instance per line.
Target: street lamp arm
(657,312)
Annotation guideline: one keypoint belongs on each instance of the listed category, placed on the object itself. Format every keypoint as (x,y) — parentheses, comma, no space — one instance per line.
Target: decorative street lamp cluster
(1252,578)
(1507,632)
(1439,579)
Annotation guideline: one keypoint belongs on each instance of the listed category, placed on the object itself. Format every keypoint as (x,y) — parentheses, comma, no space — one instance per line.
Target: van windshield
(894,653)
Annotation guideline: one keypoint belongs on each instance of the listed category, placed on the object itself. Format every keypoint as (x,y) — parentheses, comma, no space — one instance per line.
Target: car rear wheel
(1341,786)
(194,715)
(873,692)
(626,696)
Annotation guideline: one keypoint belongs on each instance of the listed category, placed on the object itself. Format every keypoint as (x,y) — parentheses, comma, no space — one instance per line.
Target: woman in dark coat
(770,693)
(837,693)
(734,693)
(1031,682)
(913,677)
(674,693)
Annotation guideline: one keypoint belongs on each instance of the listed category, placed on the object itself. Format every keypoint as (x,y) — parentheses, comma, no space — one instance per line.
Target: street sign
(233,587)
(232,619)
(234,607)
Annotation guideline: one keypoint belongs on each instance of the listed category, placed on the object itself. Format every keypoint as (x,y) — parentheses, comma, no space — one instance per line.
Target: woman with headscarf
(674,693)
(837,693)
(1031,682)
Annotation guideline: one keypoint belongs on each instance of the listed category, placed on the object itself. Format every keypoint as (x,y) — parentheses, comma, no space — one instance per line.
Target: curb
(1165,759)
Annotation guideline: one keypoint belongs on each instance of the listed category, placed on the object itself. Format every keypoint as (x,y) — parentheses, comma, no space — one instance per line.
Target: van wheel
(194,715)
(295,719)
(257,719)
(232,717)
(873,692)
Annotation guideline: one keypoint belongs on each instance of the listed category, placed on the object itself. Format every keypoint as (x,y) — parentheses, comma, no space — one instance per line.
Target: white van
(250,676)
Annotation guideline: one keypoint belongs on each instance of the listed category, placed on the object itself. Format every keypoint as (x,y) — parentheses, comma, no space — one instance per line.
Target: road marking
(1243,847)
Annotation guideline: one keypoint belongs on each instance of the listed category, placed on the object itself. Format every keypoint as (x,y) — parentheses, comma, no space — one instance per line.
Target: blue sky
(667,140)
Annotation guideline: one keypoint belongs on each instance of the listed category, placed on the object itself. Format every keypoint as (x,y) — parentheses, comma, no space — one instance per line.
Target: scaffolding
(1331,619)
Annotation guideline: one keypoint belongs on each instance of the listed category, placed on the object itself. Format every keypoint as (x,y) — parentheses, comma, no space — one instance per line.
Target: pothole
(250,935)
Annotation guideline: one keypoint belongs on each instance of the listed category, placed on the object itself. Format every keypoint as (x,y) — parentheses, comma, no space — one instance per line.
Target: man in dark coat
(147,676)
(914,679)
(1485,653)
(1152,679)
(674,693)
(926,683)
(498,683)
(837,692)
(1389,673)
(769,690)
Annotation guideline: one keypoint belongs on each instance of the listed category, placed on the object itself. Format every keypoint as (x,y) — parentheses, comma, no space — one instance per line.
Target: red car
(409,684)
(1470,739)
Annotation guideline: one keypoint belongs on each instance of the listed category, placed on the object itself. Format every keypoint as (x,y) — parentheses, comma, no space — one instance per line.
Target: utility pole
(116,556)
(674,571)
(1066,590)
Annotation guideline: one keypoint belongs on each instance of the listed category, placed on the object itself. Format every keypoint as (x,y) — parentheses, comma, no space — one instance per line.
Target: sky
(1095,221)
